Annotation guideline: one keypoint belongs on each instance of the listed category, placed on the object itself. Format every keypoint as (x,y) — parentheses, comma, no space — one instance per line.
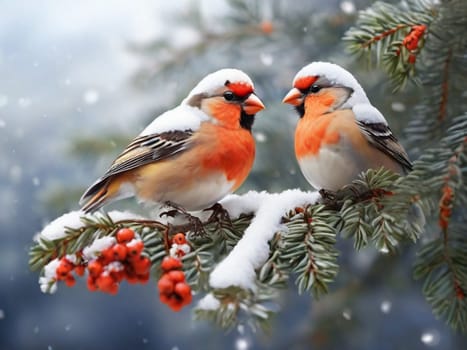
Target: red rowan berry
(141,265)
(170,263)
(179,238)
(95,268)
(188,299)
(79,270)
(91,283)
(144,278)
(164,298)
(131,276)
(176,276)
(182,289)
(165,285)
(135,248)
(175,303)
(113,289)
(419,29)
(117,275)
(107,255)
(410,42)
(125,235)
(412,58)
(119,251)
(70,280)
(64,268)
(105,283)
(267,27)
(67,263)
(62,271)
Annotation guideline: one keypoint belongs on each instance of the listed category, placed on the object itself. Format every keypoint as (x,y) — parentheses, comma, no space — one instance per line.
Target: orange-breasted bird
(339,133)
(192,155)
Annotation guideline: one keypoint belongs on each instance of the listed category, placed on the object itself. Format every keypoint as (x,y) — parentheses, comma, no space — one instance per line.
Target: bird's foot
(327,194)
(329,198)
(335,199)
(195,225)
(356,192)
(218,214)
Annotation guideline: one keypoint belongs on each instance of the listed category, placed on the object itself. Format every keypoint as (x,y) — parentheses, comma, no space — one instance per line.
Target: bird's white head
(319,76)
(211,83)
(226,95)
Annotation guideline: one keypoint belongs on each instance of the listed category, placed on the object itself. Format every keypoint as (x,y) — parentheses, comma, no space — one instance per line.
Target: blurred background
(78,80)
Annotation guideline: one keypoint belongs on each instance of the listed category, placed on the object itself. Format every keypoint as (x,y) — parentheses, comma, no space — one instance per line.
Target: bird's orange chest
(231,151)
(315,129)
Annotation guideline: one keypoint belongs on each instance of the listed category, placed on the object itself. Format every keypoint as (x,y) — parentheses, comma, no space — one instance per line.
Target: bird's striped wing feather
(380,136)
(148,149)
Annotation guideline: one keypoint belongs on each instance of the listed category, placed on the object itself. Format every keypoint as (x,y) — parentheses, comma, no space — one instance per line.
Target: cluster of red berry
(173,289)
(64,271)
(122,260)
(412,39)
(111,260)
(445,207)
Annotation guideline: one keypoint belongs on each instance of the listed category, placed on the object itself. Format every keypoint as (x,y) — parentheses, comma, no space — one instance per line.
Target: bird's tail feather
(95,196)
(105,191)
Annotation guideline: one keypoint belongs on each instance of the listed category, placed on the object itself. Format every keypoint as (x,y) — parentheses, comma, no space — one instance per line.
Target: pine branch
(306,250)
(303,247)
(380,212)
(421,41)
(433,32)
(396,34)
(442,262)
(443,74)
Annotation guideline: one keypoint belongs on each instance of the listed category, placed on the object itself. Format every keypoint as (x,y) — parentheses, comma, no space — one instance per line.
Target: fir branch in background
(443,73)
(244,23)
(395,33)
(442,261)
(423,41)
(430,36)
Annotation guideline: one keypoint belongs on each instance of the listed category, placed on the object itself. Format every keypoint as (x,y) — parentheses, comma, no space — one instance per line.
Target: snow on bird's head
(336,75)
(235,79)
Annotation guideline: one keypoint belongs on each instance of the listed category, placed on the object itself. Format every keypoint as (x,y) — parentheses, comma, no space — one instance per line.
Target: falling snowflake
(398,107)
(348,7)
(261,137)
(24,102)
(91,96)
(3,100)
(241,344)
(430,338)
(266,59)
(386,306)
(347,314)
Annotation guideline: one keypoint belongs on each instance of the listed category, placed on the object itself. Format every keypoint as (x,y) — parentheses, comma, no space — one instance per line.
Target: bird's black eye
(315,88)
(229,95)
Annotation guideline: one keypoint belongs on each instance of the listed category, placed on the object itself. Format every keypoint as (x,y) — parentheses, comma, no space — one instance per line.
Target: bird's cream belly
(190,192)
(329,169)
(201,195)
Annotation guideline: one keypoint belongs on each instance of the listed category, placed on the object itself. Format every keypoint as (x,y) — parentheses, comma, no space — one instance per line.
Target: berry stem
(383,35)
